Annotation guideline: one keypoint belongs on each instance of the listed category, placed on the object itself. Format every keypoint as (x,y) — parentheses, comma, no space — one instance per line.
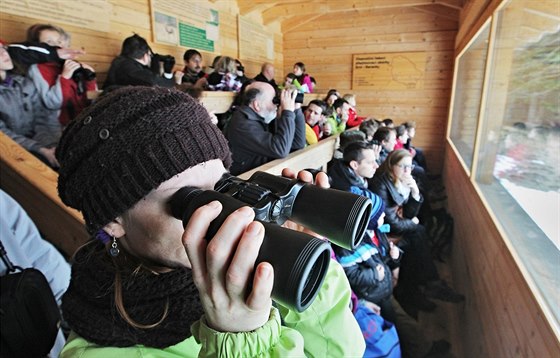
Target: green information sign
(190,36)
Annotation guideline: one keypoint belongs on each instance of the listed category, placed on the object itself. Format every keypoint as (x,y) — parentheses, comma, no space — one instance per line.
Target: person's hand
(321,180)
(69,53)
(372,306)
(409,181)
(394,251)
(415,220)
(380,272)
(88,67)
(201,82)
(377,150)
(327,129)
(288,100)
(69,68)
(48,153)
(213,117)
(223,269)
(178,77)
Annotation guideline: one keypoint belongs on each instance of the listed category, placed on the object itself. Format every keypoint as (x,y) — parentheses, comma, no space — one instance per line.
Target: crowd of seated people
(267,123)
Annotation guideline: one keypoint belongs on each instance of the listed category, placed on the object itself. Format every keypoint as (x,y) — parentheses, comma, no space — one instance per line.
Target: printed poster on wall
(388,71)
(188,24)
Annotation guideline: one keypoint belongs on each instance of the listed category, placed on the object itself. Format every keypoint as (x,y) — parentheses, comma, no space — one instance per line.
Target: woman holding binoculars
(146,285)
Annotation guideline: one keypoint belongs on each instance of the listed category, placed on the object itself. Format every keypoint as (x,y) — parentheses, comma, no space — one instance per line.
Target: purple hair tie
(103,237)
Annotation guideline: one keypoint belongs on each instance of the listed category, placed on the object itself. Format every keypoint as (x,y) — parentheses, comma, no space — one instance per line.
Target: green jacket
(337,126)
(326,329)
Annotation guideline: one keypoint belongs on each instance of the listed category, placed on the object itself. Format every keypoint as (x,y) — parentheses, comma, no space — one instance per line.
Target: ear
(256,106)
(115,228)
(354,164)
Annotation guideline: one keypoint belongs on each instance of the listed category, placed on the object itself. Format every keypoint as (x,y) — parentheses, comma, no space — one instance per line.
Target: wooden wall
(130,17)
(501,316)
(326,46)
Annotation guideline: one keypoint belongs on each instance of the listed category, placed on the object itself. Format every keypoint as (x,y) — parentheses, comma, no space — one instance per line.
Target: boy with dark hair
(387,138)
(336,123)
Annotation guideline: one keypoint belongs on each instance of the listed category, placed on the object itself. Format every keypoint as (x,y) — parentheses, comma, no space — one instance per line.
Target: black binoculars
(168,62)
(300,260)
(83,74)
(276,99)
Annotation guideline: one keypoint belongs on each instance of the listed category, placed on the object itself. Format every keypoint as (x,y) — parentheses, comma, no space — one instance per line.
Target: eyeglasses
(406,166)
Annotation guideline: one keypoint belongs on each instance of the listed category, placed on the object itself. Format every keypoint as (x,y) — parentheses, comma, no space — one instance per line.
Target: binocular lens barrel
(340,216)
(300,261)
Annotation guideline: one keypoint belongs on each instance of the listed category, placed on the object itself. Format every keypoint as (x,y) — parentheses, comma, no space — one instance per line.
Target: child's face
(298,71)
(288,81)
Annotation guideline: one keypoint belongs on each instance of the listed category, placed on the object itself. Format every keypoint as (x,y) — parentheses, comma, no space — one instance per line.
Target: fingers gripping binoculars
(300,260)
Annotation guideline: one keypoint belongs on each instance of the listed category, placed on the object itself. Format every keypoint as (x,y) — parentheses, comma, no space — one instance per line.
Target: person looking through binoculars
(148,285)
(135,66)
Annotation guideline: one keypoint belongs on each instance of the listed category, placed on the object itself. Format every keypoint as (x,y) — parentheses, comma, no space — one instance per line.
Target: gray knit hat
(129,142)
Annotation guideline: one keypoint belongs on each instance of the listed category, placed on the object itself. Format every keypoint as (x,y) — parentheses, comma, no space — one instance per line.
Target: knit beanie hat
(377,209)
(129,142)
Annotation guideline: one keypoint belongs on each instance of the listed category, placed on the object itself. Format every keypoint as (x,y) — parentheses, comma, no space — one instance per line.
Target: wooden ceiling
(292,13)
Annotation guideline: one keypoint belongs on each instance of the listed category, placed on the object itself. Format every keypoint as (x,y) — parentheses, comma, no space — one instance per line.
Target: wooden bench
(34,185)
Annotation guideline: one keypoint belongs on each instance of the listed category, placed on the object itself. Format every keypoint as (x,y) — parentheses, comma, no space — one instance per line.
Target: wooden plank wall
(326,46)
(501,317)
(130,17)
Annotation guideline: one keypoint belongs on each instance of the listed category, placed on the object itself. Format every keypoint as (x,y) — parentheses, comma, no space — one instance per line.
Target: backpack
(29,315)
(380,335)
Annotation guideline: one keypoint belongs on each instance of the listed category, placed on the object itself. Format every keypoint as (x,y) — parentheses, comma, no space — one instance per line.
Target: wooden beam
(453,4)
(280,12)
(378,4)
(295,22)
(439,11)
(248,6)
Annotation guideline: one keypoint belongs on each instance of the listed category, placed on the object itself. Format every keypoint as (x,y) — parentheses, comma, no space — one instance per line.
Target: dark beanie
(377,209)
(128,143)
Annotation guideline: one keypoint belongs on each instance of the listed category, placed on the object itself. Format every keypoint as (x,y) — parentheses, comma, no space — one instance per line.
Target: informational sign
(185,23)
(388,71)
(90,14)
(254,42)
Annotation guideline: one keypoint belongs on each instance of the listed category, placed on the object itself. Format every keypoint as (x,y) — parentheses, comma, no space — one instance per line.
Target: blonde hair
(350,98)
(226,64)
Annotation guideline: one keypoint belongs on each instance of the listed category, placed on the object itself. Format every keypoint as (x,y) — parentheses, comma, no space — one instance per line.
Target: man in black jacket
(267,75)
(132,67)
(253,139)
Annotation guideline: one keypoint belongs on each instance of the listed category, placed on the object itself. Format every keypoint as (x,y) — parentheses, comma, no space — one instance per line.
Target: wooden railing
(34,185)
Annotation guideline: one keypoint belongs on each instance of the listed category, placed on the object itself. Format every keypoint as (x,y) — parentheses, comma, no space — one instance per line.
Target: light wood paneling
(326,46)
(500,317)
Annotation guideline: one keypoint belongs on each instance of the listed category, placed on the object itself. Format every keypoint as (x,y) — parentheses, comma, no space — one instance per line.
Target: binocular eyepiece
(300,260)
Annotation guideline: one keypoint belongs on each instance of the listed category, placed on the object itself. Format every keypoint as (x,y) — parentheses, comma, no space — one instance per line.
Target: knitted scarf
(89,305)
